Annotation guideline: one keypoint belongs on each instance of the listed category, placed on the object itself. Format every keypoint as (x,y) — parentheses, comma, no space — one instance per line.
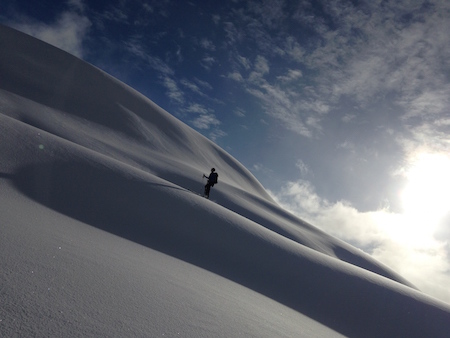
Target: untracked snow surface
(103,233)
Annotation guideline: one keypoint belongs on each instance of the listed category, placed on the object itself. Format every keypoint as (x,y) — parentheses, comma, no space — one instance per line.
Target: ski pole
(203,181)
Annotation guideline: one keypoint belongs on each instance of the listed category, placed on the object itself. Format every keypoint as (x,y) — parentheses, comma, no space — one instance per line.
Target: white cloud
(156,63)
(261,68)
(236,76)
(207,44)
(116,14)
(67,32)
(293,49)
(365,54)
(148,8)
(205,121)
(300,116)
(197,108)
(239,112)
(260,168)
(217,133)
(390,55)
(304,169)
(292,75)
(347,145)
(207,62)
(347,118)
(192,86)
(216,19)
(269,12)
(203,84)
(173,91)
(392,238)
(427,104)
(243,61)
(279,105)
(232,33)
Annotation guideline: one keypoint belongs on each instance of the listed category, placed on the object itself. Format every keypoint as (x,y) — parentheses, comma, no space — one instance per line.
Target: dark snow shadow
(94,195)
(7,176)
(155,215)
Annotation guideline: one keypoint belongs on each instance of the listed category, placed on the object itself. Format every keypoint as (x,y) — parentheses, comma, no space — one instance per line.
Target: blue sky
(340,108)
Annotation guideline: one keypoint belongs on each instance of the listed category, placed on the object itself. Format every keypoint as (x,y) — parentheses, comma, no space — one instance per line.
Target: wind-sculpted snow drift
(102,235)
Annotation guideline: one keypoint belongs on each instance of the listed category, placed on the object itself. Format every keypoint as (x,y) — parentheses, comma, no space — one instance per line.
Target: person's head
(213,170)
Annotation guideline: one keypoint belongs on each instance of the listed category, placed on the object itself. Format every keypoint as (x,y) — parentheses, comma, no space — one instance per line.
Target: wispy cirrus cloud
(208,61)
(205,121)
(291,75)
(139,50)
(207,44)
(194,87)
(300,115)
(270,12)
(197,108)
(390,54)
(173,90)
(116,14)
(357,52)
(236,76)
(303,167)
(166,73)
(180,91)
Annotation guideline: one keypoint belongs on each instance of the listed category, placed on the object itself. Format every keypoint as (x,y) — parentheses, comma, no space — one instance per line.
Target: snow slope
(102,232)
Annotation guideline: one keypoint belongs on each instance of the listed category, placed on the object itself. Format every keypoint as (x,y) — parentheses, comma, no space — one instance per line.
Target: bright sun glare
(426,198)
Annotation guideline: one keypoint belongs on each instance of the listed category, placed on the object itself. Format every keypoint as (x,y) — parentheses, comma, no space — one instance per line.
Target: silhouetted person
(212,179)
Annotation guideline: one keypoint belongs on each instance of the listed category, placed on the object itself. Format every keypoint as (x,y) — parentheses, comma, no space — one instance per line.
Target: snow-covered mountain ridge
(88,162)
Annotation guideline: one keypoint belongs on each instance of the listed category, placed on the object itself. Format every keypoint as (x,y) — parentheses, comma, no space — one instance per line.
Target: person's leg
(207,188)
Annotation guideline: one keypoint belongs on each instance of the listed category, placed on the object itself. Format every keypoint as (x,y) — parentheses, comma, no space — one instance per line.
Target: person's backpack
(214,178)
